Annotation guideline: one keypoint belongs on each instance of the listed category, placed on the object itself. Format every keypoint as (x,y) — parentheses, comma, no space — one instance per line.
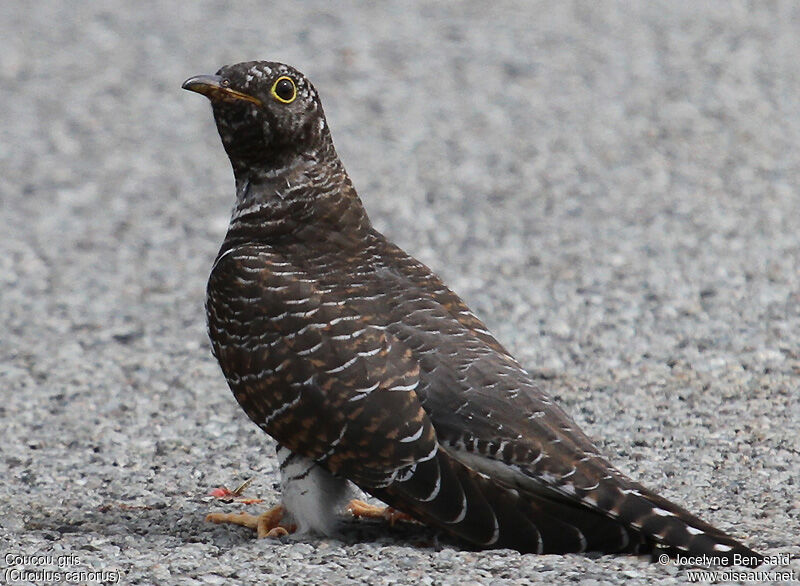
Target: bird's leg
(359,508)
(267,524)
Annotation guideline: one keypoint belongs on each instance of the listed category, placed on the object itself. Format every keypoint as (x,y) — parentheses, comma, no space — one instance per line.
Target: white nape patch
(722,547)
(693,530)
(311,496)
(662,513)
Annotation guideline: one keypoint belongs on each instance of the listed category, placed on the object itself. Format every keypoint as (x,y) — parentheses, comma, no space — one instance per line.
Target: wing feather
(394,384)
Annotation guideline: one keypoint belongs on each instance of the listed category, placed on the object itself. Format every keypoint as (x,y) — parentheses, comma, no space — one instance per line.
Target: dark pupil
(285,89)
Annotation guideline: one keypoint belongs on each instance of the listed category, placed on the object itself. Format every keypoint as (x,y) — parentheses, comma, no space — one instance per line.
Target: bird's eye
(284,90)
(225,82)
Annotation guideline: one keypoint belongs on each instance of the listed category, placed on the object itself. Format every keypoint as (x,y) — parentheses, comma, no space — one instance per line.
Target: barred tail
(444,493)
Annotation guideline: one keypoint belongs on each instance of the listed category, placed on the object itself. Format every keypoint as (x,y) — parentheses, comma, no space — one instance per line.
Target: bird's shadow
(184,521)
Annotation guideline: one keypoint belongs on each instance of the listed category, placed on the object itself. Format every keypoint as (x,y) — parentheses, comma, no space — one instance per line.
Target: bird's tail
(665,525)
(445,493)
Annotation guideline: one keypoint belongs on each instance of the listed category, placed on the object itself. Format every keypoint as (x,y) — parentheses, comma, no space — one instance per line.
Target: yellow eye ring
(284,90)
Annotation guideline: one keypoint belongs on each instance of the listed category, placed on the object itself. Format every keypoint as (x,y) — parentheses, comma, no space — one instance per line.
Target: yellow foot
(267,524)
(359,508)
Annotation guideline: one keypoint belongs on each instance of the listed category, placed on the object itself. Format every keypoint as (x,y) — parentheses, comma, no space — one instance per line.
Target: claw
(276,532)
(359,508)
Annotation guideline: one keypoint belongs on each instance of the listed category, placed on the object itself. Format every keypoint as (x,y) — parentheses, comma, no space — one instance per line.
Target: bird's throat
(304,193)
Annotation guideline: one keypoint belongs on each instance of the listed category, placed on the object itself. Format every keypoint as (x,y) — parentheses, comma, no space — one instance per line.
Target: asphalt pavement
(612,186)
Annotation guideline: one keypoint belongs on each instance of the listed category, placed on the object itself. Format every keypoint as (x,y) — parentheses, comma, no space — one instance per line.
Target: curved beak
(211,86)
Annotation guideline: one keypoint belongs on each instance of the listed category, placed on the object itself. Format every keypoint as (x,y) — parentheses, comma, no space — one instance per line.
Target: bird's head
(267,113)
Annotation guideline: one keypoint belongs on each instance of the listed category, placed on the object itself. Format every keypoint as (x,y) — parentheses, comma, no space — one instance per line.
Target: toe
(276,532)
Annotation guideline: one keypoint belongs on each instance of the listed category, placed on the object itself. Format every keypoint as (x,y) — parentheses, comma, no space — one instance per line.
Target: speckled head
(267,113)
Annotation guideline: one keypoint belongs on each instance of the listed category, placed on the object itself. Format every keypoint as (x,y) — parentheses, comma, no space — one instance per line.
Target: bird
(367,370)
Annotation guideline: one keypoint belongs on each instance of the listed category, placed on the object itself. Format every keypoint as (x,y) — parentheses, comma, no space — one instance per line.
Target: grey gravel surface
(613,187)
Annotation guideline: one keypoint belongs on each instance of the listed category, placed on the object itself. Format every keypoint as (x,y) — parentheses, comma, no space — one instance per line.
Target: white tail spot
(582,538)
(460,517)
